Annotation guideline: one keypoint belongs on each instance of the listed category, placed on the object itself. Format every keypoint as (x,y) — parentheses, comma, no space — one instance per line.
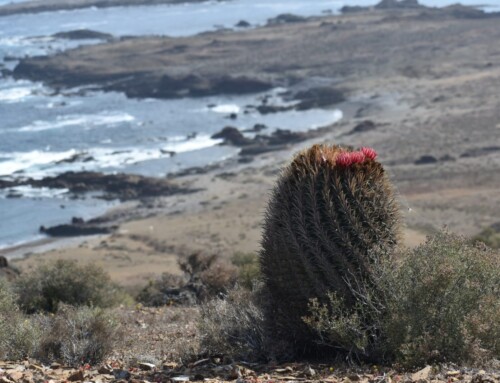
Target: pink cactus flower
(369,153)
(357,157)
(344,159)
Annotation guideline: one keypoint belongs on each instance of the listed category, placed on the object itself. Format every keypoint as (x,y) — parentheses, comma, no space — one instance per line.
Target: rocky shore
(276,55)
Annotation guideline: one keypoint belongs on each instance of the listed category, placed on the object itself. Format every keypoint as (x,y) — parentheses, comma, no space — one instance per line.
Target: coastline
(35,6)
(429,107)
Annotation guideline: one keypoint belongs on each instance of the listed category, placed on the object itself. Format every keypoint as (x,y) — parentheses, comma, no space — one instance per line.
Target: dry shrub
(165,290)
(64,281)
(208,275)
(445,303)
(78,335)
(248,269)
(234,326)
(19,335)
(205,276)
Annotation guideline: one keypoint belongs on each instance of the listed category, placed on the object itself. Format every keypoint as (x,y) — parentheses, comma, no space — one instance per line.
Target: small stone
(76,376)
(146,366)
(55,366)
(169,366)
(16,375)
(309,372)
(453,373)
(105,370)
(423,374)
(121,374)
(181,378)
(35,367)
(200,362)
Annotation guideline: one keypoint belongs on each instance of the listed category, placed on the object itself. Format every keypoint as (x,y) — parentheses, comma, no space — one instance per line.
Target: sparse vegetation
(248,269)
(440,302)
(490,236)
(444,303)
(74,335)
(62,281)
(19,335)
(234,326)
(78,335)
(205,276)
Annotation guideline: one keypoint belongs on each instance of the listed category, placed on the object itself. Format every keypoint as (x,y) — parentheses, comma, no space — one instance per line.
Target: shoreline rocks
(115,186)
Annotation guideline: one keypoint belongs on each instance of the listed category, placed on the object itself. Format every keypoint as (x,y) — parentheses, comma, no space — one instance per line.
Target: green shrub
(439,302)
(248,268)
(490,236)
(66,282)
(445,303)
(78,335)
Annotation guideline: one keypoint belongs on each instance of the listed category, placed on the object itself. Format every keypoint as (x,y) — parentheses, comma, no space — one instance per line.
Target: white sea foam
(23,161)
(226,108)
(38,164)
(187,145)
(11,95)
(110,118)
(28,191)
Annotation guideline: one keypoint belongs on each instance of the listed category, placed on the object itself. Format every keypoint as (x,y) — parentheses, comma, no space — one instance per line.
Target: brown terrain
(421,87)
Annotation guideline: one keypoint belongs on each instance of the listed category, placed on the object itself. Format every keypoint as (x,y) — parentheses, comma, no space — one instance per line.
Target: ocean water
(43,133)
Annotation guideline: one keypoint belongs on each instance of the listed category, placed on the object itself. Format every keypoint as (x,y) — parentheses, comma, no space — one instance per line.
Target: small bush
(445,303)
(205,276)
(78,335)
(233,326)
(439,302)
(166,290)
(19,335)
(337,325)
(490,236)
(248,268)
(66,282)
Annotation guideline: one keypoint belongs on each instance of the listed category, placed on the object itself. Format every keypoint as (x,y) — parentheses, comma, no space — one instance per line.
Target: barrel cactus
(330,211)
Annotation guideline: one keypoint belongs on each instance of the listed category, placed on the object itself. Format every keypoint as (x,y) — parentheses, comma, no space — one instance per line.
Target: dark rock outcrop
(115,186)
(243,24)
(83,34)
(232,136)
(75,230)
(353,8)
(318,98)
(197,86)
(426,160)
(399,4)
(363,126)
(478,152)
(278,140)
(286,18)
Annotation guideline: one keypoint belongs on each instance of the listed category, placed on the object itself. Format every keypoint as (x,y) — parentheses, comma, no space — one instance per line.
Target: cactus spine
(331,208)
